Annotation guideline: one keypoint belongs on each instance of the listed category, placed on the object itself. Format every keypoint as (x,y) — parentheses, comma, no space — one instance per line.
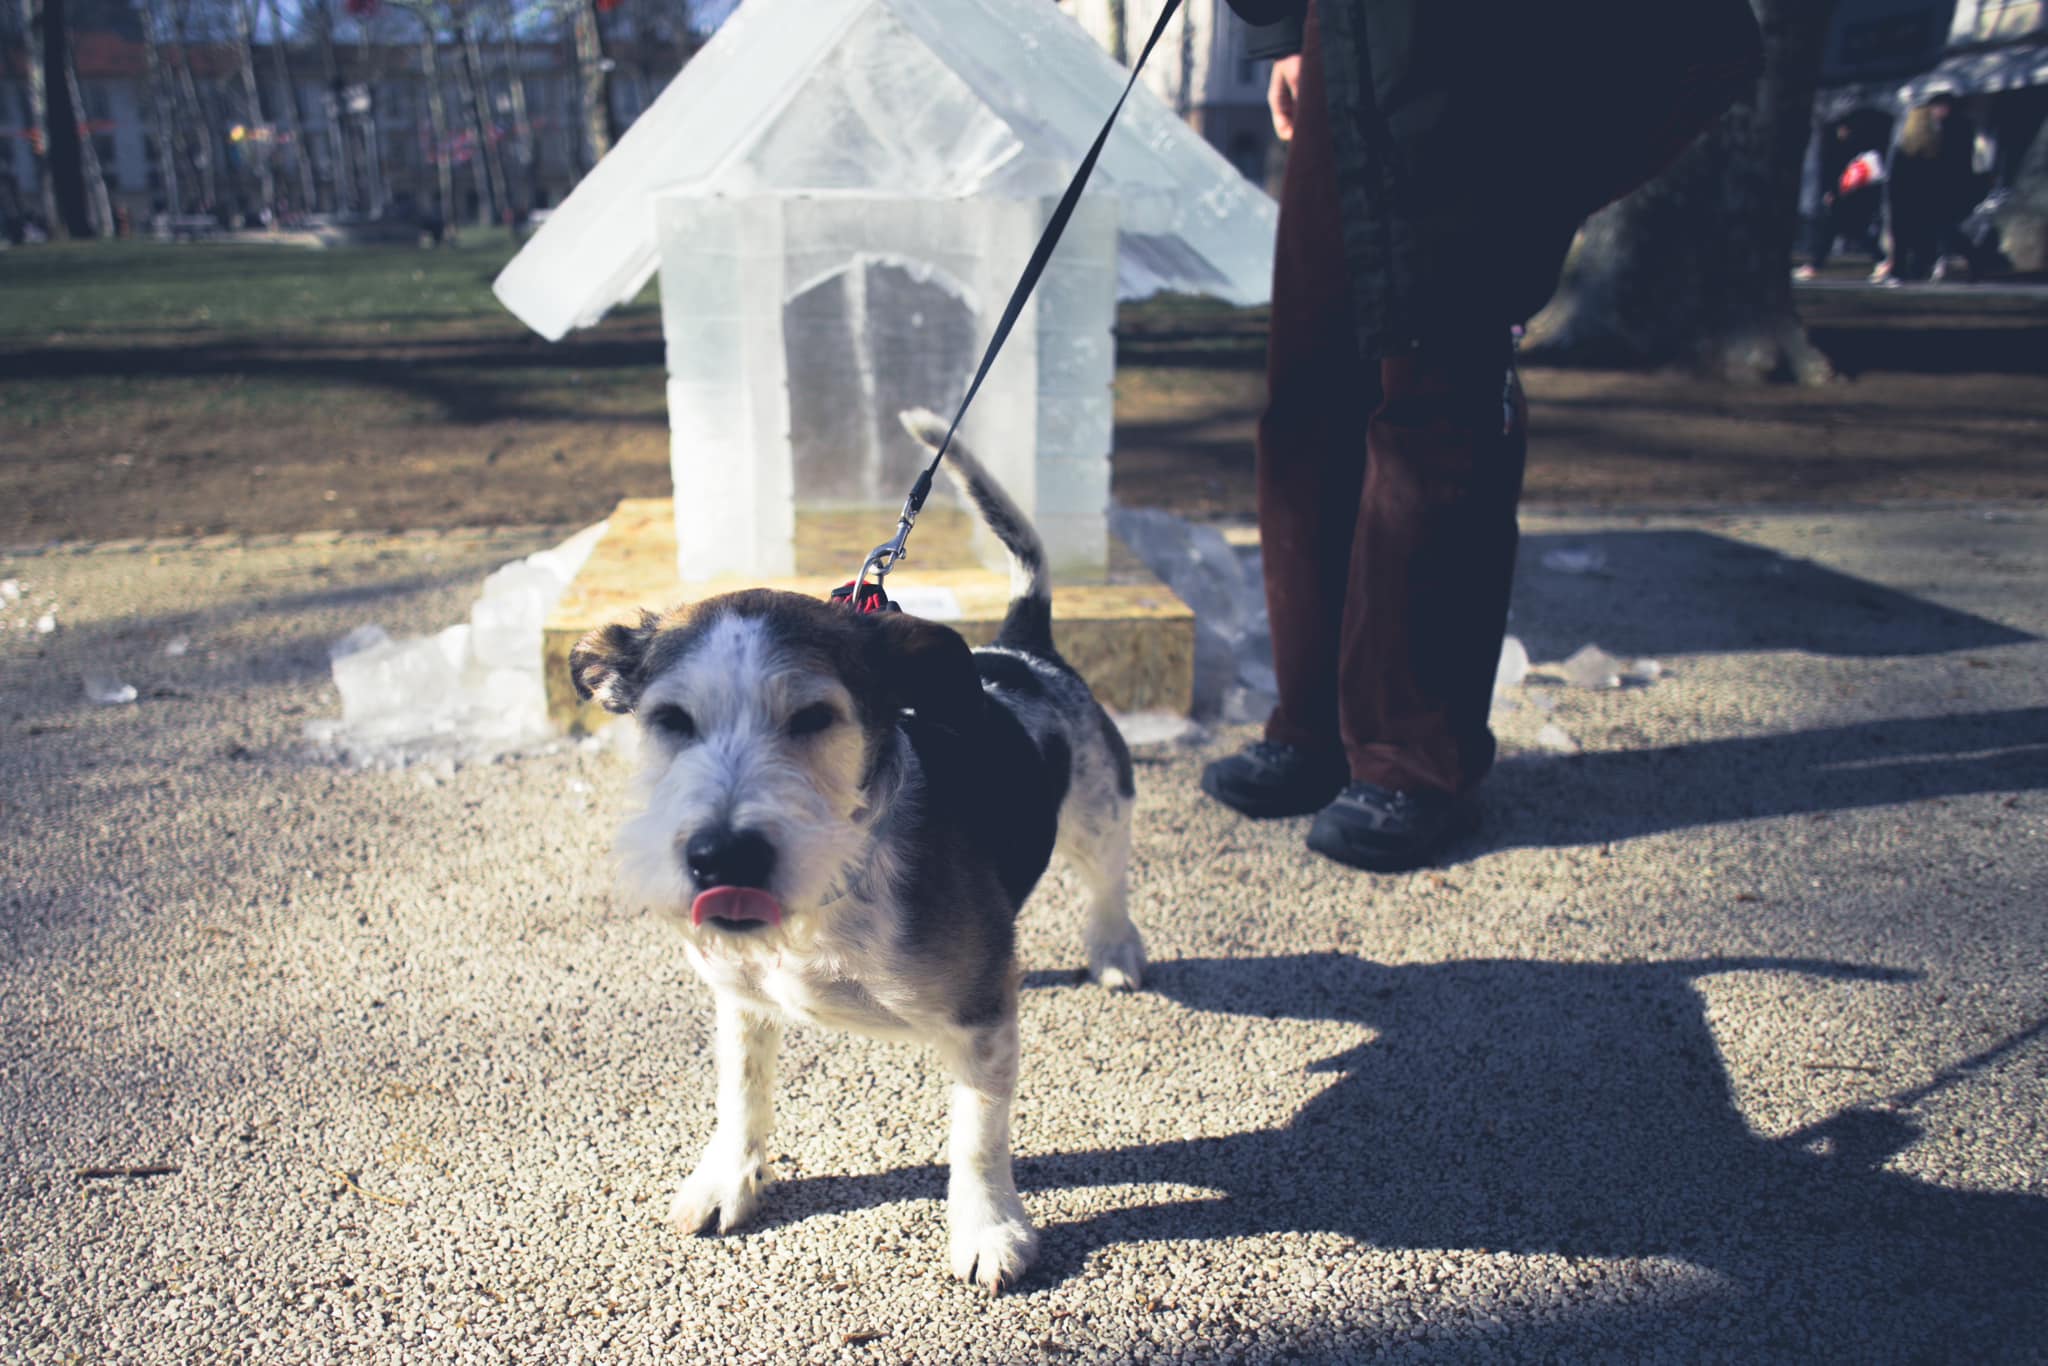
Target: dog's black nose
(729,858)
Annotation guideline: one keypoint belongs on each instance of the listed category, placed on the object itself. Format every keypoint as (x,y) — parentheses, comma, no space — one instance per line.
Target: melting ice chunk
(472,691)
(363,637)
(1233,645)
(1154,727)
(1246,706)
(1593,667)
(1575,559)
(1513,666)
(107,690)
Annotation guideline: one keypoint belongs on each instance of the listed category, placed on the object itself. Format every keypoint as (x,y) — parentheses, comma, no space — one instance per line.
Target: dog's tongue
(735,903)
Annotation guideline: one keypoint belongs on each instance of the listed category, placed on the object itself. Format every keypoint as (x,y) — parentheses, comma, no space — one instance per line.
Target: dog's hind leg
(1097,846)
(993,1242)
(732,1173)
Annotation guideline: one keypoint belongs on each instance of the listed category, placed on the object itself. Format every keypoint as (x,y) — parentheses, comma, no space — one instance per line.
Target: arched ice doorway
(866,340)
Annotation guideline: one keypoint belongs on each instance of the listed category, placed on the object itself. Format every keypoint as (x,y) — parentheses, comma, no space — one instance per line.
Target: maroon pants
(1386,501)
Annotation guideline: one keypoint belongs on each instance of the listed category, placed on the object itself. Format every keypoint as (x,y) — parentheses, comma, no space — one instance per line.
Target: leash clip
(860,594)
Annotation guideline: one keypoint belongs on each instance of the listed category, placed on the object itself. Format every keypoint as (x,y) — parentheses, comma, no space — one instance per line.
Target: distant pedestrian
(1931,189)
(1849,195)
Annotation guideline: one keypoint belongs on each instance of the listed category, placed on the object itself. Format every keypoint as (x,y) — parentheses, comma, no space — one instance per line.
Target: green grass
(100,291)
(125,338)
(114,341)
(108,289)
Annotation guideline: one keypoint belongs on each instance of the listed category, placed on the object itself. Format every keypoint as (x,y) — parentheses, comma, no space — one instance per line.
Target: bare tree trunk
(466,100)
(376,189)
(343,187)
(37,98)
(1694,269)
(497,195)
(206,146)
(99,209)
(1119,33)
(62,115)
(595,79)
(162,113)
(288,108)
(522,122)
(258,140)
(437,124)
(376,193)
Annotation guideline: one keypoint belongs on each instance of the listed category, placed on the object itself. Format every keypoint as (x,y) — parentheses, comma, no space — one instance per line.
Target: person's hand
(1280,92)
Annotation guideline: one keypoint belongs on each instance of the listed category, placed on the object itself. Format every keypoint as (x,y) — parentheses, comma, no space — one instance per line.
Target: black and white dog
(844,813)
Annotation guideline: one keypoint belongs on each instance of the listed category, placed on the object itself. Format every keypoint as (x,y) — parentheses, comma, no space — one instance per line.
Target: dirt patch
(462,425)
(1943,397)
(352,431)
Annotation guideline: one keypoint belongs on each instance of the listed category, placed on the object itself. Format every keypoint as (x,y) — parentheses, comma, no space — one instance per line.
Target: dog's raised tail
(1028,624)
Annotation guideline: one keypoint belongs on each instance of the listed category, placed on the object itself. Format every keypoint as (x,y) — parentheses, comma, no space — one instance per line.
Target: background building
(344,120)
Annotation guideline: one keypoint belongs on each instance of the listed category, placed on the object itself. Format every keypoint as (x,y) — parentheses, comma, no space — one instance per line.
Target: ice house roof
(914,97)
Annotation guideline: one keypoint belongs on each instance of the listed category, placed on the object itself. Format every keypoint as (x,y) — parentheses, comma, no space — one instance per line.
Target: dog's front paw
(994,1244)
(723,1191)
(1118,965)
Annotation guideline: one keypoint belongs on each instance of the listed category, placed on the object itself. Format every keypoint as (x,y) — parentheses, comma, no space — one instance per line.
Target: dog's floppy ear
(605,664)
(926,667)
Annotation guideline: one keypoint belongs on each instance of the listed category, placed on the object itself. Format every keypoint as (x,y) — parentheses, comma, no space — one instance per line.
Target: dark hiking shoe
(1389,832)
(1270,779)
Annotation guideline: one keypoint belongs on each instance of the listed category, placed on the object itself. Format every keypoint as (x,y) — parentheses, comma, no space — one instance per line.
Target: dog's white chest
(810,994)
(830,1001)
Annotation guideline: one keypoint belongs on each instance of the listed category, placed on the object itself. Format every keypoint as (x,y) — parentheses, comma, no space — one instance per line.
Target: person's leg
(1913,227)
(1838,224)
(1310,463)
(1951,242)
(1431,571)
(1833,223)
(1311,438)
(1887,236)
(1819,233)
(1432,566)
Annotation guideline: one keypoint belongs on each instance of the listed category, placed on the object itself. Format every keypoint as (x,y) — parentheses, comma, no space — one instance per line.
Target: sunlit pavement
(1727,1039)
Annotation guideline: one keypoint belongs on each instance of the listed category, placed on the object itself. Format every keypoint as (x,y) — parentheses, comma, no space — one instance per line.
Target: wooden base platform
(1130,637)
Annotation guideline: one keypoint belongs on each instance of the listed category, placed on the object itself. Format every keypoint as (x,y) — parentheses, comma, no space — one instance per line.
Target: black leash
(868,597)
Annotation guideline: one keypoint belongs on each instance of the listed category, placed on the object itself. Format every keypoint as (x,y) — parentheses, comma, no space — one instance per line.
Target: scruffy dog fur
(843,813)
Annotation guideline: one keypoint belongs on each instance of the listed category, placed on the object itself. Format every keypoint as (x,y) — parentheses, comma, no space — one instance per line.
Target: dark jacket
(1473,138)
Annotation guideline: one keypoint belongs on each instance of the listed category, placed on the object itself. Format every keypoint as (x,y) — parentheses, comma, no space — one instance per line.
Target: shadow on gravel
(1579,1109)
(1537,802)
(1673,592)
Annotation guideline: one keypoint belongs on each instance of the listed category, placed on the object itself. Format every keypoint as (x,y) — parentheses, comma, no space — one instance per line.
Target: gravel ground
(1727,1039)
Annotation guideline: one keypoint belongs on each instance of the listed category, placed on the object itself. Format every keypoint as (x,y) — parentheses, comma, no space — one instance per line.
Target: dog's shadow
(1570,1108)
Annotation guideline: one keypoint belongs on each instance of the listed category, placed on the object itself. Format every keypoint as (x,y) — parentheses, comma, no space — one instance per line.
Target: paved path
(1986,289)
(1729,1039)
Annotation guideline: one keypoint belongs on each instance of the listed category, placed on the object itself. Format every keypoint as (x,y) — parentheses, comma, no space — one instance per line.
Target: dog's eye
(812,719)
(673,721)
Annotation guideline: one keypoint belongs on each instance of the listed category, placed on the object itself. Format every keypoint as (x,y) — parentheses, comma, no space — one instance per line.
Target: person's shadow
(1569,1108)
(1542,801)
